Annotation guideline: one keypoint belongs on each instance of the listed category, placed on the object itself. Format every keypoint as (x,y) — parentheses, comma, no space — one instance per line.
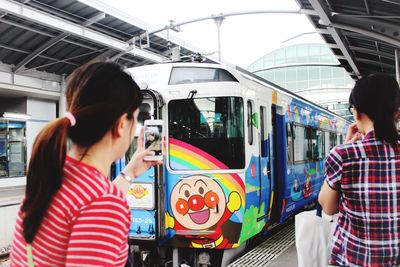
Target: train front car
(213,199)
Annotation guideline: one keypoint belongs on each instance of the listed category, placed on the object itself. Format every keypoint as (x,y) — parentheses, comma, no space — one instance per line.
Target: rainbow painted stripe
(184,156)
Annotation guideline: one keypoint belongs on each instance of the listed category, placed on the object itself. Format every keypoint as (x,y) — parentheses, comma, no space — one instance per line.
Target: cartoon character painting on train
(307,190)
(200,208)
(295,191)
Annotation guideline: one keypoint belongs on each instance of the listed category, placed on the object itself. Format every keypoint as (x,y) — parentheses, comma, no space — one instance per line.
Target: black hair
(378,96)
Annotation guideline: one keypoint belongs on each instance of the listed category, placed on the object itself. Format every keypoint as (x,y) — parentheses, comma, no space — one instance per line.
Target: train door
(274,203)
(253,173)
(147,209)
(265,167)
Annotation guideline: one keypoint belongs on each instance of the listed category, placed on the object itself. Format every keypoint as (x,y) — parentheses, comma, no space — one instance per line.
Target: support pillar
(218,22)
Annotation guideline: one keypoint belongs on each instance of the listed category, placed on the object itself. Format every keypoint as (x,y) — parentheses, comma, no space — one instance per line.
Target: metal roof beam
(6,21)
(40,5)
(42,56)
(383,26)
(117,56)
(366,16)
(322,31)
(375,63)
(129,60)
(78,56)
(340,57)
(14,49)
(106,54)
(371,52)
(367,7)
(326,20)
(391,2)
(43,33)
(369,33)
(354,35)
(333,46)
(39,50)
(63,25)
(97,17)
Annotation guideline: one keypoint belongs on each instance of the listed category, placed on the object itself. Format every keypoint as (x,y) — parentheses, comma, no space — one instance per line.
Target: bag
(313,237)
(29,255)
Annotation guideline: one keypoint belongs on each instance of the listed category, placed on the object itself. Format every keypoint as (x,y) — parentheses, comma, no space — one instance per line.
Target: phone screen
(153,139)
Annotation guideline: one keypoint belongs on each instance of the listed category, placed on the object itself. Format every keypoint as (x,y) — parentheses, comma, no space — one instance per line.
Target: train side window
(300,143)
(315,153)
(332,140)
(250,121)
(263,127)
(289,144)
(327,143)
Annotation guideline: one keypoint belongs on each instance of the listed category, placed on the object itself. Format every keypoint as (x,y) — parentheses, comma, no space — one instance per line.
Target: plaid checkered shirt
(367,176)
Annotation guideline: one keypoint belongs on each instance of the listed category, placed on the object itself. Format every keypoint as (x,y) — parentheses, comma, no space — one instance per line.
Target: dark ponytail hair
(98,93)
(378,96)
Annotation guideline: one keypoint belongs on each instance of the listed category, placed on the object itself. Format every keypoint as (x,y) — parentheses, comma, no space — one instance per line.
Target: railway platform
(277,251)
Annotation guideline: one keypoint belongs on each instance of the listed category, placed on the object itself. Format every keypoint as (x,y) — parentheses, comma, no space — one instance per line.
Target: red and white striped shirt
(86,224)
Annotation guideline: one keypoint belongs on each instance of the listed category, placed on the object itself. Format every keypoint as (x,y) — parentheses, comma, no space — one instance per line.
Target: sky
(244,38)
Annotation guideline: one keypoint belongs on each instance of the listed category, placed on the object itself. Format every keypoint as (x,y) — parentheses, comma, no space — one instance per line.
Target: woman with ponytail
(362,178)
(72,215)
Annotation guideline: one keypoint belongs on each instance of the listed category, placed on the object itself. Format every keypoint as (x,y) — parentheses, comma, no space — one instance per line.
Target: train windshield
(185,75)
(206,133)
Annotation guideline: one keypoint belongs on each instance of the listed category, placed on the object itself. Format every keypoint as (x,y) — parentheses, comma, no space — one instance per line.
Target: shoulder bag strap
(29,255)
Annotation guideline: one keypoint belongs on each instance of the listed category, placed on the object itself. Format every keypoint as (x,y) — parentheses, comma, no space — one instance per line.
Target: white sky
(243,38)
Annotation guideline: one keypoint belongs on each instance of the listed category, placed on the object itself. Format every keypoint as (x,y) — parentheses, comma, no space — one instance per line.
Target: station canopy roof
(56,36)
(363,34)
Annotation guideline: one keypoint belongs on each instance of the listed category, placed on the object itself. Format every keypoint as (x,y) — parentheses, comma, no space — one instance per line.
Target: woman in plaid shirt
(362,179)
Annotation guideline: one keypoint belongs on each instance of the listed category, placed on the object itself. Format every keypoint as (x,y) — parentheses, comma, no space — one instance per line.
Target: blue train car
(307,134)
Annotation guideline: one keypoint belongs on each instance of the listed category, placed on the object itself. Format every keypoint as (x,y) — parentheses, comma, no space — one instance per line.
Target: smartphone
(153,132)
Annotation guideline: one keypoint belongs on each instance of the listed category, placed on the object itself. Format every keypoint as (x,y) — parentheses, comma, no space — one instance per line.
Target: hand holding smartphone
(153,136)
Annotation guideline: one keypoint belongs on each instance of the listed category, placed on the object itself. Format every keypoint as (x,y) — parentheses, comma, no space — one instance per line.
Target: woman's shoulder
(349,151)
(84,184)
(365,148)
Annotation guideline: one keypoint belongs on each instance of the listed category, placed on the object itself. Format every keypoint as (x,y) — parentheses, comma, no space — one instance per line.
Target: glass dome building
(309,70)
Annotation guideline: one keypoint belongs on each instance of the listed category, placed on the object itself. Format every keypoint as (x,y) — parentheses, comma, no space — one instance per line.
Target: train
(241,155)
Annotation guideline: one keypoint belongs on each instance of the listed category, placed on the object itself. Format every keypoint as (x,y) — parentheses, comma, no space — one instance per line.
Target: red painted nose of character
(196,202)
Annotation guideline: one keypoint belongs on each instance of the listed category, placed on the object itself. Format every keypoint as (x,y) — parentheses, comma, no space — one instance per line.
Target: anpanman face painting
(198,202)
